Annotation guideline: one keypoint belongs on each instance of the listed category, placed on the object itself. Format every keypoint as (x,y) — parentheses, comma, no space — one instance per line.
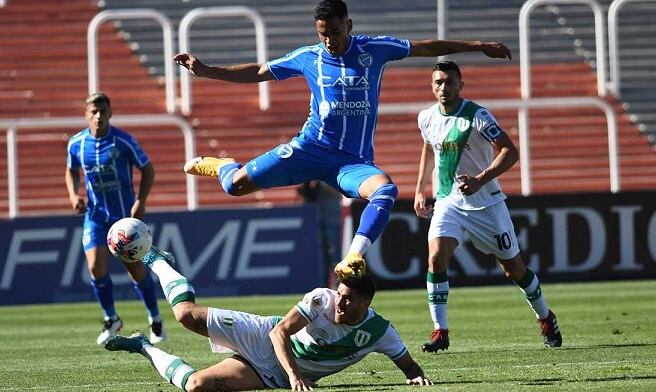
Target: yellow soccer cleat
(353,265)
(206,166)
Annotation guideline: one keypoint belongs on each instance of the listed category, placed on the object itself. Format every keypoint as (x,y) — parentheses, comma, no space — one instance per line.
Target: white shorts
(248,336)
(491,230)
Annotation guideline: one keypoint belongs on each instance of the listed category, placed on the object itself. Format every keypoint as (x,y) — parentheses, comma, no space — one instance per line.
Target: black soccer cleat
(439,340)
(550,331)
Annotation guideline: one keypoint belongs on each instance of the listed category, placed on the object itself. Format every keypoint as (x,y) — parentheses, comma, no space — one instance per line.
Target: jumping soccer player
(335,145)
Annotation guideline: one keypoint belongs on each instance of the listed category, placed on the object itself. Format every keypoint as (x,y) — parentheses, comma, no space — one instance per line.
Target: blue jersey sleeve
(290,65)
(72,157)
(388,48)
(134,152)
(138,156)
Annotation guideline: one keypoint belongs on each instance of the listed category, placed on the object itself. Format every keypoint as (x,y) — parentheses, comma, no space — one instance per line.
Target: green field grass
(609,332)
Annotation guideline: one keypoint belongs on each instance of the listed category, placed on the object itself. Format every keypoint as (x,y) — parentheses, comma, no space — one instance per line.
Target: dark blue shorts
(297,162)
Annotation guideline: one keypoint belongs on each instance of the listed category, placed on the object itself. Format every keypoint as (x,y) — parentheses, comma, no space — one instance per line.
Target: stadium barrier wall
(222,252)
(574,237)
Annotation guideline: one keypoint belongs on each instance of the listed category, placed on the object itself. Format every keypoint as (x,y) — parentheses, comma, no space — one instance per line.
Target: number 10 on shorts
(503,241)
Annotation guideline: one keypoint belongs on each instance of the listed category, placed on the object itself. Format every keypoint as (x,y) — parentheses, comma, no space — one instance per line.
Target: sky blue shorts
(297,162)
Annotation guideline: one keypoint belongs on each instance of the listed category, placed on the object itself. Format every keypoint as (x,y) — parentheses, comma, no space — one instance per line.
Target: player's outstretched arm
(242,73)
(281,339)
(433,48)
(413,373)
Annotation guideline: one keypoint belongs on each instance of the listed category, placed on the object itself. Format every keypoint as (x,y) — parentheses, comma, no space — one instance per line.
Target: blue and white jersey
(345,90)
(107,163)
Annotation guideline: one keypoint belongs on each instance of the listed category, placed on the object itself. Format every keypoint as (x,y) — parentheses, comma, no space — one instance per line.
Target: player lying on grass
(324,333)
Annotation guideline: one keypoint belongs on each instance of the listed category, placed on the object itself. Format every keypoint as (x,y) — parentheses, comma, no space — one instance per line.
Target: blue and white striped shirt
(345,90)
(107,163)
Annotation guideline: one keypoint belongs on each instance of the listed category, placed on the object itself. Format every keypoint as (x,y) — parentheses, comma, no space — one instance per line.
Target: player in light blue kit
(335,145)
(107,155)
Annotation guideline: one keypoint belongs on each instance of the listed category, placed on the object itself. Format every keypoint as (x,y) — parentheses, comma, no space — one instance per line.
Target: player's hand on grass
(468,185)
(497,50)
(190,62)
(302,384)
(419,380)
(79,205)
(421,208)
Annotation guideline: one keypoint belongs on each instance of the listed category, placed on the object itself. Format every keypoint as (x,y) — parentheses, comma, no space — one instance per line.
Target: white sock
(360,244)
(172,368)
(535,298)
(176,287)
(438,293)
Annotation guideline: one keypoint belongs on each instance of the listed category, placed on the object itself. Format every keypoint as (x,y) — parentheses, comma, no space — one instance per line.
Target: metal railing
(137,13)
(260,44)
(442,21)
(525,47)
(614,45)
(524,145)
(13,125)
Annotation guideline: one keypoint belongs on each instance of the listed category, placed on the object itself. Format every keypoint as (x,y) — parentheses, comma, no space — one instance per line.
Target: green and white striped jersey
(323,347)
(461,143)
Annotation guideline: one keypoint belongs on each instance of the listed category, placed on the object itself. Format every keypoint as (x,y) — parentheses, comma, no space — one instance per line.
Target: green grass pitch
(609,332)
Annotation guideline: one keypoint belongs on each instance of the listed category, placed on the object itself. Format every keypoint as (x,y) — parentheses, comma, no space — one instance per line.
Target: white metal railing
(260,45)
(524,148)
(137,13)
(525,47)
(442,21)
(613,43)
(12,125)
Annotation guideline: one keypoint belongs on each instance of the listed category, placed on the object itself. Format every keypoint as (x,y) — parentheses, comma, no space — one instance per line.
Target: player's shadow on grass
(606,345)
(539,348)
(363,386)
(536,382)
(390,386)
(552,381)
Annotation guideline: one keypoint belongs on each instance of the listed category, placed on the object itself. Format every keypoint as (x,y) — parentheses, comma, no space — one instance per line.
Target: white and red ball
(129,239)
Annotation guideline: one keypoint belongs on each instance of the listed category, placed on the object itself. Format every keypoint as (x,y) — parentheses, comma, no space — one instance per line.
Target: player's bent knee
(384,196)
(184,312)
(389,189)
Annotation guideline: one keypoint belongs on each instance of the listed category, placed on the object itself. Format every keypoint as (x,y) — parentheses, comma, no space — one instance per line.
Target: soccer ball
(129,239)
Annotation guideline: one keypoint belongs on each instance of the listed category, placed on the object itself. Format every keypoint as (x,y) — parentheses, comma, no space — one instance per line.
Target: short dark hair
(328,9)
(446,66)
(98,98)
(364,285)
